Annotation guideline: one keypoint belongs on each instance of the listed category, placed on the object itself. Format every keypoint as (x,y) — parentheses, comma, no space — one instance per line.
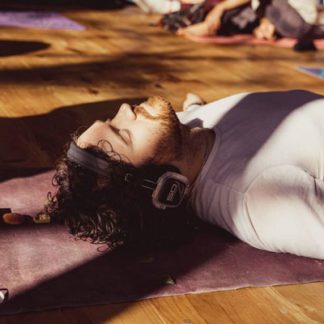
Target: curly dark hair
(107,209)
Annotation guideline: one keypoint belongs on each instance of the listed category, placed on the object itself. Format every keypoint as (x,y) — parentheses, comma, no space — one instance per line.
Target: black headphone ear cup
(167,191)
(170,191)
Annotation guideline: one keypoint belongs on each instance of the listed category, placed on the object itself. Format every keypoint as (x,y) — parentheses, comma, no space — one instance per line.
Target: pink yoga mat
(249,40)
(44,267)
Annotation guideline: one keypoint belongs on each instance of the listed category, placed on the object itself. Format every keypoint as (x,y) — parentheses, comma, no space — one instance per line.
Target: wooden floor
(120,55)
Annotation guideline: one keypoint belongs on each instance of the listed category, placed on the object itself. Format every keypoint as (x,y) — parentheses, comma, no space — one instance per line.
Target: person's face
(147,133)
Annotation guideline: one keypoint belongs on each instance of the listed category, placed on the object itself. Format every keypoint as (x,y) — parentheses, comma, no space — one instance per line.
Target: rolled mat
(43,266)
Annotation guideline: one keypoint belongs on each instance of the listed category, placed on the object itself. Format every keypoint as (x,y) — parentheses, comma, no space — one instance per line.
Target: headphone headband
(86,159)
(168,191)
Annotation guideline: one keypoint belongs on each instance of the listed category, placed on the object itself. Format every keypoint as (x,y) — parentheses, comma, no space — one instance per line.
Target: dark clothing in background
(241,20)
(289,23)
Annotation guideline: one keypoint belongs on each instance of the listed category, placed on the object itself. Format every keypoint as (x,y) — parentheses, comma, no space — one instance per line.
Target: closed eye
(122,134)
(126,135)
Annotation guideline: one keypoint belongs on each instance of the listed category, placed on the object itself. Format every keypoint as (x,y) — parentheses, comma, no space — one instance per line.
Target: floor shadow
(16,47)
(135,70)
(118,276)
(125,70)
(31,144)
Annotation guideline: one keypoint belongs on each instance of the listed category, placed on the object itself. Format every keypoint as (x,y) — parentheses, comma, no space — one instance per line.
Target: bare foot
(192,99)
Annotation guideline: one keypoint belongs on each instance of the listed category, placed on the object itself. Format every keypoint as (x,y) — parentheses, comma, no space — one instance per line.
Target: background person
(290,18)
(268,20)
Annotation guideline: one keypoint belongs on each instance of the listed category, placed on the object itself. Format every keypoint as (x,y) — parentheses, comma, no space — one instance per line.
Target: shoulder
(246,103)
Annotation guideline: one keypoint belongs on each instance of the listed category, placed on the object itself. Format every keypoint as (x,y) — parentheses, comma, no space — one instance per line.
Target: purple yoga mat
(38,19)
(44,267)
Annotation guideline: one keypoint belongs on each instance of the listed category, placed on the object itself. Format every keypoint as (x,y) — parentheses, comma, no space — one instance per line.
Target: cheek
(145,144)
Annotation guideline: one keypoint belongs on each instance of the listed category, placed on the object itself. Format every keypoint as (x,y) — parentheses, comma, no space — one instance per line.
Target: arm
(212,21)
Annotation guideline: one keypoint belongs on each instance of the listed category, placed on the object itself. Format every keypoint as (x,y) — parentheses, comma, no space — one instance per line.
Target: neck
(196,146)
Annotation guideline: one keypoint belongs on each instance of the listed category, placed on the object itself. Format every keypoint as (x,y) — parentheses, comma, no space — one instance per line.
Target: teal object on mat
(314,71)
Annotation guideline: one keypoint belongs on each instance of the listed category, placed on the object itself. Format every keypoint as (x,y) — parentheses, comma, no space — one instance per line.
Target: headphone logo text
(172,193)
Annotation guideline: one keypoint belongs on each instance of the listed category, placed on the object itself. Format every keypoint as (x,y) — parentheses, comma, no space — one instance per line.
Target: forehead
(99,131)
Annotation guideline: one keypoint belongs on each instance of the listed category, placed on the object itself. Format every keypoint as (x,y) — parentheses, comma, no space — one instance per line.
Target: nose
(126,111)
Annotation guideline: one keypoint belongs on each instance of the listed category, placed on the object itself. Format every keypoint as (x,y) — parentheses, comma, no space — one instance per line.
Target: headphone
(167,192)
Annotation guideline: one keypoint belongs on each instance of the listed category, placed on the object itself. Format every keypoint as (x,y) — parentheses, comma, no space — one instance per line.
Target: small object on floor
(168,280)
(7,217)
(4,211)
(14,219)
(313,71)
(42,218)
(4,295)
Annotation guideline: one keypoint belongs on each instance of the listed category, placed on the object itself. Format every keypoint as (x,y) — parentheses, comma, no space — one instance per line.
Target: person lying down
(251,163)
(266,19)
